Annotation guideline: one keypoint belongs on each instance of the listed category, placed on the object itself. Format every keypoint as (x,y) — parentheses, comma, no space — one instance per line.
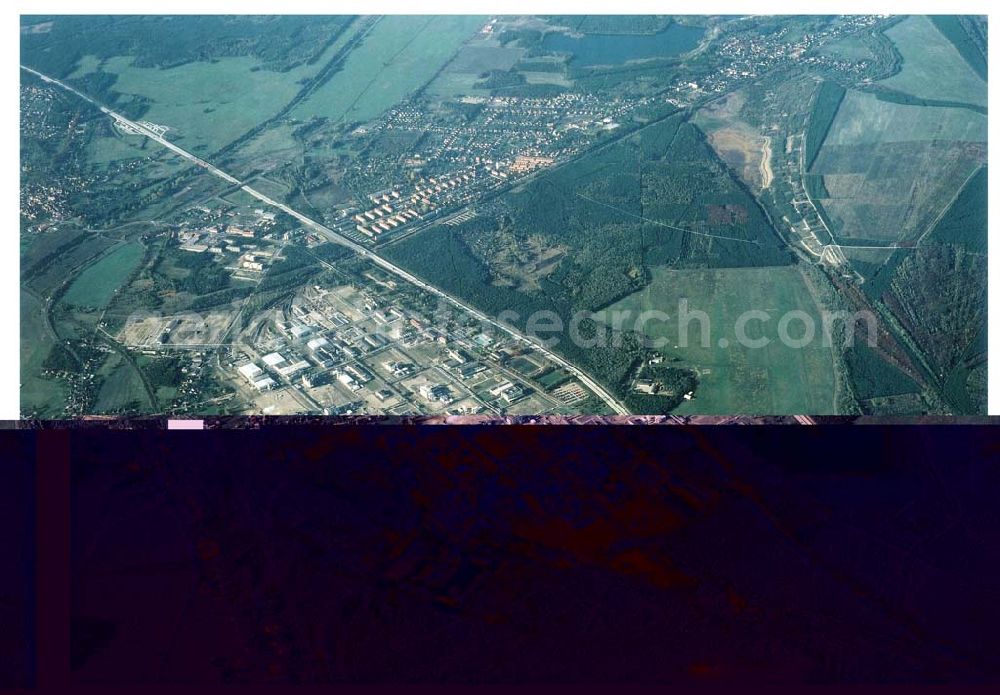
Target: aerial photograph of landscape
(497,216)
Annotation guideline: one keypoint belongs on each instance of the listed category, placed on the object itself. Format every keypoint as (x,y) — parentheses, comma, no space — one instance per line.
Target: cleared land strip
(367,24)
(589,382)
(664,224)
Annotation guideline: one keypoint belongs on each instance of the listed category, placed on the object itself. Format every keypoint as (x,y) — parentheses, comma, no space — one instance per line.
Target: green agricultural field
(239,198)
(853,47)
(965,33)
(40,248)
(397,58)
(114,148)
(461,75)
(205,104)
(97,283)
(865,119)
(272,189)
(776,379)
(869,261)
(453,84)
(88,64)
(483,57)
(555,78)
(122,387)
(270,148)
(891,169)
(208,105)
(46,271)
(43,395)
(117,150)
(932,66)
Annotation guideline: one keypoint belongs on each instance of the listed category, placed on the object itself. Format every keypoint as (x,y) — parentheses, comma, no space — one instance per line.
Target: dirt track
(766,175)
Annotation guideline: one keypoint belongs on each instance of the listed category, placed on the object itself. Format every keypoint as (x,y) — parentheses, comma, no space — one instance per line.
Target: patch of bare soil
(523,265)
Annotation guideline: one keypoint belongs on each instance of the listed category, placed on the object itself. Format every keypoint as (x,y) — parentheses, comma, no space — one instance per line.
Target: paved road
(367,253)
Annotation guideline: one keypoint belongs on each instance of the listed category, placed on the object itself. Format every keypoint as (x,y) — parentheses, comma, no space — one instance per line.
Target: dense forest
(613,24)
(941,293)
(965,222)
(872,376)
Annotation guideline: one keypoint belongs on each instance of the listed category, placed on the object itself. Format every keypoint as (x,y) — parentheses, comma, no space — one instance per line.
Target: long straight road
(333,236)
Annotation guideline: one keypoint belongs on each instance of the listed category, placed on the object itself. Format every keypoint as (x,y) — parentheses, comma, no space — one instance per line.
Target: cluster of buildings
(508,392)
(356,348)
(223,231)
(750,54)
(424,199)
(389,212)
(507,126)
(246,242)
(458,162)
(44,198)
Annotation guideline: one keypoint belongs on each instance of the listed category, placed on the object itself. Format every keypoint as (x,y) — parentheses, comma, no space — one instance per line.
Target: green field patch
(327,197)
(815,186)
(399,56)
(95,286)
(272,189)
(239,198)
(776,379)
(957,30)
(453,84)
(36,247)
(121,388)
(553,378)
(272,147)
(114,148)
(932,66)
(891,169)
(46,274)
(206,105)
(87,64)
(842,185)
(863,118)
(867,261)
(40,394)
(480,58)
(547,78)
(165,394)
(854,47)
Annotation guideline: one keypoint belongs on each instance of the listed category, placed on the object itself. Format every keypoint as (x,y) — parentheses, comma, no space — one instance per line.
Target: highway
(602,393)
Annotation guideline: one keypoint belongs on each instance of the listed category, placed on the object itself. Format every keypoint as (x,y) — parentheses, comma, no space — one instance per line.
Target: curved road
(612,402)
